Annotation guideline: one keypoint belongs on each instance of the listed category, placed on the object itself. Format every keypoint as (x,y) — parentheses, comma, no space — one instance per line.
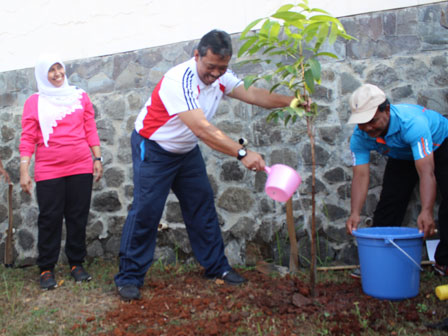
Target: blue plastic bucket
(390,260)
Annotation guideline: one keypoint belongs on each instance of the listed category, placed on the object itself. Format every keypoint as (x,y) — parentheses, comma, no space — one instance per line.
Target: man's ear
(196,55)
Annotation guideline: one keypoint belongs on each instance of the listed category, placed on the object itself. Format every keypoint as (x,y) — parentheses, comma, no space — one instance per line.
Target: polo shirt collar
(394,125)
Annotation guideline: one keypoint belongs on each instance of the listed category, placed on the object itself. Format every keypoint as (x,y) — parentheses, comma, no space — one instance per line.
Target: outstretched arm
(425,170)
(217,139)
(260,97)
(360,186)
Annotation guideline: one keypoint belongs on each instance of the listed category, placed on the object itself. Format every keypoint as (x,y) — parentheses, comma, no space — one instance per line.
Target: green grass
(27,310)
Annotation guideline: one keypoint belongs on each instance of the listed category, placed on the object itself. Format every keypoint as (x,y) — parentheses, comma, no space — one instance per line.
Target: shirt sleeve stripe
(188,90)
(424,147)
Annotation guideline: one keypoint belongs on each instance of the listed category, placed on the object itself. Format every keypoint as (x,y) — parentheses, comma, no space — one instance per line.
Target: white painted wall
(85,28)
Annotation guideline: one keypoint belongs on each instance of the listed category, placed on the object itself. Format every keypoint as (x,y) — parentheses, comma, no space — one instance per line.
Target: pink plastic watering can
(282,182)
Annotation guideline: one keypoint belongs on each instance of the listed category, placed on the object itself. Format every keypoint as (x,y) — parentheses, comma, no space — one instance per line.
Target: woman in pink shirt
(58,125)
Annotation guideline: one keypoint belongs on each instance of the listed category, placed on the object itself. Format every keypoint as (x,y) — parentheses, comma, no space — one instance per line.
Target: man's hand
(360,186)
(352,223)
(253,161)
(425,223)
(304,103)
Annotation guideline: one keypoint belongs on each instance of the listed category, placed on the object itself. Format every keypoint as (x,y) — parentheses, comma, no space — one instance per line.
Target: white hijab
(54,102)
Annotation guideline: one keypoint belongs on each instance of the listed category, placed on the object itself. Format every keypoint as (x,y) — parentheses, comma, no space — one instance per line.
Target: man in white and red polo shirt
(166,156)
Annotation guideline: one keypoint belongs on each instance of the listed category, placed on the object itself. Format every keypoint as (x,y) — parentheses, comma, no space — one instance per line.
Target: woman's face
(56,75)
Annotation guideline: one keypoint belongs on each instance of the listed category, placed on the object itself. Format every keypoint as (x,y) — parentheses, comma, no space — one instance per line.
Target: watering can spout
(267,169)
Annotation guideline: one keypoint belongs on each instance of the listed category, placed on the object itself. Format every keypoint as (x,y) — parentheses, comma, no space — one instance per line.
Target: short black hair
(217,41)
(382,107)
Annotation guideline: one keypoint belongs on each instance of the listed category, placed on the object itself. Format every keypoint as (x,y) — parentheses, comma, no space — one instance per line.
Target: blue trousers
(156,171)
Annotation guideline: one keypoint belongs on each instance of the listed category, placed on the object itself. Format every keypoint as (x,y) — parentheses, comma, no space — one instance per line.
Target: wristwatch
(241,153)
(100,159)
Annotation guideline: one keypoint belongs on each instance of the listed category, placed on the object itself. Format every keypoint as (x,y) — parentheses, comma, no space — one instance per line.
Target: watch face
(242,152)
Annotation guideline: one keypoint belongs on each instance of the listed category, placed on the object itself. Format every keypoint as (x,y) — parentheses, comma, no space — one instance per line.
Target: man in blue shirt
(414,140)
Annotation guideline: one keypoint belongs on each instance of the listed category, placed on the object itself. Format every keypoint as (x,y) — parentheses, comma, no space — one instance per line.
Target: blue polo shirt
(414,133)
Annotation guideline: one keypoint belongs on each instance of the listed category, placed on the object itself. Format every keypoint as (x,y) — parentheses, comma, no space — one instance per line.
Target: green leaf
(249,80)
(347,37)
(291,69)
(299,111)
(280,52)
(318,10)
(264,30)
(285,8)
(333,34)
(272,117)
(272,89)
(289,16)
(323,18)
(254,48)
(268,50)
(275,30)
(315,68)
(310,31)
(304,6)
(294,118)
(326,53)
(267,78)
(250,26)
(323,32)
(280,113)
(250,41)
(299,25)
(309,80)
(296,36)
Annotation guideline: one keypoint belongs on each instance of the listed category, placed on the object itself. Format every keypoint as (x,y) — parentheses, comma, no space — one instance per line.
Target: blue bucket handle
(389,240)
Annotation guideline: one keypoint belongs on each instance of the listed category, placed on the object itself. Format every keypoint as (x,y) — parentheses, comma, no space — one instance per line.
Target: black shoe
(47,280)
(442,325)
(80,274)
(129,292)
(356,273)
(232,278)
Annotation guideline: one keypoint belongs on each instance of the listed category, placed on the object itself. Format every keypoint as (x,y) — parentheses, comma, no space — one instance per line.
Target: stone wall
(403,51)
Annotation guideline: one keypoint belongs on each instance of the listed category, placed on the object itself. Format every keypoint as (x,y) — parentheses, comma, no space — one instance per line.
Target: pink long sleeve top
(68,152)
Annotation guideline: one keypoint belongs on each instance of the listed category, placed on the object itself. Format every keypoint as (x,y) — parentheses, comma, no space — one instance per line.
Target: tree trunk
(310,129)
(293,251)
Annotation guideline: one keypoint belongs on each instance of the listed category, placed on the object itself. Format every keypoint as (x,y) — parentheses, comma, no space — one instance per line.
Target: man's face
(211,66)
(378,125)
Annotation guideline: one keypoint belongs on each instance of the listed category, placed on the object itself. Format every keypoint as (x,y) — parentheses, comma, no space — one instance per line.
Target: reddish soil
(187,304)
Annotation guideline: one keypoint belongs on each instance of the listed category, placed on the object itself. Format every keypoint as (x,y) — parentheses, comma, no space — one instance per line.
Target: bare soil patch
(188,304)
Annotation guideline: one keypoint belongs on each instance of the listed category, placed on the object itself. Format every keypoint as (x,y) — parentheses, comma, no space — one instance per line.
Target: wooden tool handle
(9,245)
